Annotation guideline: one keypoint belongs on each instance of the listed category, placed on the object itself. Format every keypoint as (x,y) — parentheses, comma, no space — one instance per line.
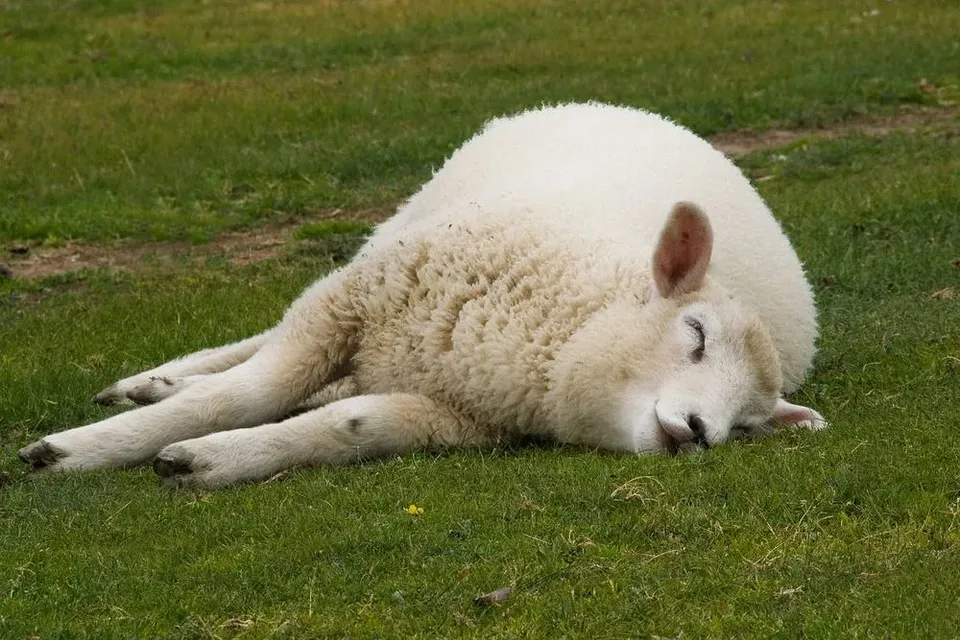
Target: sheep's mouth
(671,444)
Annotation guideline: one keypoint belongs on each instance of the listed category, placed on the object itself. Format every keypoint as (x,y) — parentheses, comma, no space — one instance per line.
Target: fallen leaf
(493,598)
(944,294)
(526,505)
(238,623)
(9,99)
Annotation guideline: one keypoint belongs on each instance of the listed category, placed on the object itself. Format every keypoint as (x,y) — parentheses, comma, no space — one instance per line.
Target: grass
(851,532)
(182,120)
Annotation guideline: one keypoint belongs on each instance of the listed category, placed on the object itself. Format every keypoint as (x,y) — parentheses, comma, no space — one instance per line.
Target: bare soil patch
(237,248)
(255,245)
(738,143)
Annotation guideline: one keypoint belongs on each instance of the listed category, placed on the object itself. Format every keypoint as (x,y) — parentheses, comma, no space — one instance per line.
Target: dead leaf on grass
(9,99)
(641,489)
(235,624)
(944,294)
(496,597)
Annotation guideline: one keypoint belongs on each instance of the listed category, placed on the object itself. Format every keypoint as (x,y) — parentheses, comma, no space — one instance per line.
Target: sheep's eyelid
(697,326)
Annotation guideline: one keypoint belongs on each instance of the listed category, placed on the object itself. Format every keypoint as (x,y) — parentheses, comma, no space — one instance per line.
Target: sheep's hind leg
(351,430)
(161,388)
(158,388)
(249,394)
(172,377)
(310,349)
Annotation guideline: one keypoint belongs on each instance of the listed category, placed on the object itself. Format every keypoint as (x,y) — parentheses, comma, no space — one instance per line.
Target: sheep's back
(612,174)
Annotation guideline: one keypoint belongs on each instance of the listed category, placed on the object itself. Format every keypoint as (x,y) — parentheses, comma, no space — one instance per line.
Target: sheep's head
(714,372)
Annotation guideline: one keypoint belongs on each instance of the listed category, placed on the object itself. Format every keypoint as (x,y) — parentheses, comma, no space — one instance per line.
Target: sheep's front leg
(171,377)
(340,389)
(351,430)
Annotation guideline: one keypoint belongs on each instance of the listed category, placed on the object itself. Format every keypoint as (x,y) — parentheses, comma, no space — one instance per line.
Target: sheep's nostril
(695,424)
(699,430)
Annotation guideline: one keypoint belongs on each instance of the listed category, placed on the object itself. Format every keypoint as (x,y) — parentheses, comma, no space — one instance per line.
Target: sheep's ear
(683,251)
(795,415)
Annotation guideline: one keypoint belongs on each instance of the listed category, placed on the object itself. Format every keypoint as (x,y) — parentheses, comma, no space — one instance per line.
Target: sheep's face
(712,369)
(713,373)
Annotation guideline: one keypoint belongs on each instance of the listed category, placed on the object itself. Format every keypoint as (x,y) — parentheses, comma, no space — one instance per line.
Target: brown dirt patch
(255,245)
(237,248)
(738,143)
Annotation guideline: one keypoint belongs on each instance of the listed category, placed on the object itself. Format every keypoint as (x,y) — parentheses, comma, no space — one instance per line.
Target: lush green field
(187,119)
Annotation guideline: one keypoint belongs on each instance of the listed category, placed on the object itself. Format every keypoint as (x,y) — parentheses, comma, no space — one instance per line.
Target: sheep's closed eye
(697,354)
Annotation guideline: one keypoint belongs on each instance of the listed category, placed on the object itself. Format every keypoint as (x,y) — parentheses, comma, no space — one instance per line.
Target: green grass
(851,532)
(182,119)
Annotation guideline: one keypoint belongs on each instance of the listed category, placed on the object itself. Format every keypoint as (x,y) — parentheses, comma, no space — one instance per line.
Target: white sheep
(558,277)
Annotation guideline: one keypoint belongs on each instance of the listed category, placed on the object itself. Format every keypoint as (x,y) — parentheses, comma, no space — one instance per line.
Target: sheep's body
(480,315)
(513,295)
(607,176)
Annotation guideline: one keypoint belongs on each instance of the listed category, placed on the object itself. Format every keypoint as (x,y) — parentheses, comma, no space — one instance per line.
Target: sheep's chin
(640,426)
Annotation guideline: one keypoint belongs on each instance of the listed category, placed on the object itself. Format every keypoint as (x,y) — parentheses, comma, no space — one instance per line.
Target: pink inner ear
(683,251)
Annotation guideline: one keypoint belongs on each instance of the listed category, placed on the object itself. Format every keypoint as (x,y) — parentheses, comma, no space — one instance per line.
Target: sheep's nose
(686,430)
(682,429)
(699,430)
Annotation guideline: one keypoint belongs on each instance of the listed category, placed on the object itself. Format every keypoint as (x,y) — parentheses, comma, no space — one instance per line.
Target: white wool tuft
(608,176)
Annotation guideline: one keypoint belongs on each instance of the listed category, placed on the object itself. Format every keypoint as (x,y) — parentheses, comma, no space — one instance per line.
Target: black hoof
(168,468)
(145,394)
(39,455)
(141,397)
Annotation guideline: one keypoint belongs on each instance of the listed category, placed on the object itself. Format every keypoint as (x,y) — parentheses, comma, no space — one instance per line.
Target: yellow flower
(414,510)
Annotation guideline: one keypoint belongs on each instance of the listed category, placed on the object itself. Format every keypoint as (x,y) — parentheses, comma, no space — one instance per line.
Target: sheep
(590,274)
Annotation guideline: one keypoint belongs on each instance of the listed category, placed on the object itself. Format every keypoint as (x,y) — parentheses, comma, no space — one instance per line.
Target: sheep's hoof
(40,455)
(154,390)
(172,469)
(111,396)
(143,395)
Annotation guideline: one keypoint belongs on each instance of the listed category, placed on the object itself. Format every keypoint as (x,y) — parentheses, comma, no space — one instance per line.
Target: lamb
(591,274)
